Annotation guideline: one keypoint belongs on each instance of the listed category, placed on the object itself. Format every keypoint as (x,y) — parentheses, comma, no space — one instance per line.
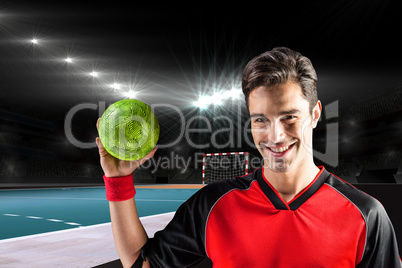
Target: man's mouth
(280,150)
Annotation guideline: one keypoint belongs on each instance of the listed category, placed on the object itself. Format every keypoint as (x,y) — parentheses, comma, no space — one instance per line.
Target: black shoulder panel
(381,249)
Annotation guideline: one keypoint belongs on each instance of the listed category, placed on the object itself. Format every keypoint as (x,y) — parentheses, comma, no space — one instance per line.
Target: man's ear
(316,114)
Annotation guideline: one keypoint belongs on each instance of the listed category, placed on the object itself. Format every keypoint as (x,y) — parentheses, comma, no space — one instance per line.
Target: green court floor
(35,211)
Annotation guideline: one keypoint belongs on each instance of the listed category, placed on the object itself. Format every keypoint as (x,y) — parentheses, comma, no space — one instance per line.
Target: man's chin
(278,166)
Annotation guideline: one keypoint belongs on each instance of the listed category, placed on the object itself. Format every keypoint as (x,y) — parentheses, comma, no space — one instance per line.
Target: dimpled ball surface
(129,129)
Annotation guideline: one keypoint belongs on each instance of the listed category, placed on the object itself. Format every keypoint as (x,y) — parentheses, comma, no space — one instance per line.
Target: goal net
(223,166)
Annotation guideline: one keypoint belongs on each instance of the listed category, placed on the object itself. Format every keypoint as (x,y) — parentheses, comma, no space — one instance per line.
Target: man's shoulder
(363,201)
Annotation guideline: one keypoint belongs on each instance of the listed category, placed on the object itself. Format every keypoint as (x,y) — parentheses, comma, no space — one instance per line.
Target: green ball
(129,129)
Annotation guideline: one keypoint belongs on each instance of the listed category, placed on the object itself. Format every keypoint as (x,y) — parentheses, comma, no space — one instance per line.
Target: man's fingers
(153,150)
(98,142)
(148,156)
(102,150)
(151,153)
(97,124)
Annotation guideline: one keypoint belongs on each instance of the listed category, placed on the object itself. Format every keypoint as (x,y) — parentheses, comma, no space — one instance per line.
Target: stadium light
(234,93)
(130,94)
(94,74)
(218,98)
(115,86)
(68,60)
(34,41)
(202,102)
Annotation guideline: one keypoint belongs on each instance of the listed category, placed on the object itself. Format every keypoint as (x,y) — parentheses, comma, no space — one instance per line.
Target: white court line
(54,220)
(41,218)
(75,229)
(48,233)
(83,246)
(72,223)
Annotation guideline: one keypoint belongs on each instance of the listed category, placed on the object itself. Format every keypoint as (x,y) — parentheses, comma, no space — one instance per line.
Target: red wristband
(119,188)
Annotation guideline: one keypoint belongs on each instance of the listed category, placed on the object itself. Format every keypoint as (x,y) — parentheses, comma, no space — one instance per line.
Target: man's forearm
(128,232)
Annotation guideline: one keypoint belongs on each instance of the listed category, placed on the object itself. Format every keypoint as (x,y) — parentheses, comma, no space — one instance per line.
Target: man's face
(281,125)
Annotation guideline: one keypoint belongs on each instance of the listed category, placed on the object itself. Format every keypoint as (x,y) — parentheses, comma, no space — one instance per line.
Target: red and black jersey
(245,223)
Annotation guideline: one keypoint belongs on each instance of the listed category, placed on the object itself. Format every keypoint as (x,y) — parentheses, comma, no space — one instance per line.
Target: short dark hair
(278,66)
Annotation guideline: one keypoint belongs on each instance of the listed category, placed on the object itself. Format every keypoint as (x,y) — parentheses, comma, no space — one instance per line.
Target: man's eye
(260,120)
(288,117)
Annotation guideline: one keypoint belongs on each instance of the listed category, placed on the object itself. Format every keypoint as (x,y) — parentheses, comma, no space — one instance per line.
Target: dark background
(172,55)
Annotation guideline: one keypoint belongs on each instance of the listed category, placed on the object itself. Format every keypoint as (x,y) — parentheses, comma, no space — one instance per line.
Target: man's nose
(276,132)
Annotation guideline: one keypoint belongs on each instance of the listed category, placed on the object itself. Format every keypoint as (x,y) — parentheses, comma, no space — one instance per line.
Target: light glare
(202,102)
(130,94)
(218,98)
(116,86)
(235,93)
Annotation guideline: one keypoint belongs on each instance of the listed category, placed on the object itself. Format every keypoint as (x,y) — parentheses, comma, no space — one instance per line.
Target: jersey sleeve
(181,243)
(381,248)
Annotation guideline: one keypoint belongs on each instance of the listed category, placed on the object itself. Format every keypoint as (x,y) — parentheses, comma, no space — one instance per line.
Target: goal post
(223,166)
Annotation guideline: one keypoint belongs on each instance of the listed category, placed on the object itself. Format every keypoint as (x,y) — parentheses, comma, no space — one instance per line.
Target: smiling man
(281,122)
(289,213)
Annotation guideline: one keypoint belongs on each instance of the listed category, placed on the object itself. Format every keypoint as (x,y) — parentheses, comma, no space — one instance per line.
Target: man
(289,213)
